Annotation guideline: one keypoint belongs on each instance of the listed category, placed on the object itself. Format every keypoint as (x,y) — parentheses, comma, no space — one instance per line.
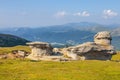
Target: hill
(75,32)
(7,40)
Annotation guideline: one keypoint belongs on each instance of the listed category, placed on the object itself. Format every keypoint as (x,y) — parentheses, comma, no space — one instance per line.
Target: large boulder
(100,49)
(39,49)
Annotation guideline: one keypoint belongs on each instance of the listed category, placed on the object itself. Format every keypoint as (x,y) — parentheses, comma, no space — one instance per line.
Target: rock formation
(100,49)
(14,54)
(103,38)
(39,49)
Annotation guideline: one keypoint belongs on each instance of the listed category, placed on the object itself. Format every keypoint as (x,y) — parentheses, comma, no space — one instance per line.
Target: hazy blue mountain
(77,32)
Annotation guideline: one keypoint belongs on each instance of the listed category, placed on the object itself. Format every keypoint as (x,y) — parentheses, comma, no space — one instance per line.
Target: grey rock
(100,49)
(103,38)
(39,49)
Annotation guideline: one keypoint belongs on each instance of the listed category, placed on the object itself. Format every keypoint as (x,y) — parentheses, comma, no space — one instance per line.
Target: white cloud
(77,14)
(83,14)
(109,13)
(60,14)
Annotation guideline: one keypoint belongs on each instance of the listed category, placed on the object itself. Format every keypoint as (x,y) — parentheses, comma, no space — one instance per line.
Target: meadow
(47,70)
(9,49)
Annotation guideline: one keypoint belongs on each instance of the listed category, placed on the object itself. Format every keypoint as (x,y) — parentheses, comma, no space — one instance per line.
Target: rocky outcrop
(21,54)
(103,38)
(39,49)
(100,49)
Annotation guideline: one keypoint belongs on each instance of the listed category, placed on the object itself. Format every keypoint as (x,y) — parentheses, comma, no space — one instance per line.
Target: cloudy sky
(20,13)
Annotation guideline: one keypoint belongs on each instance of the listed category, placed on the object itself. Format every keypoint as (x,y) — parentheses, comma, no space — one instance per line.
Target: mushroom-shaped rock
(39,49)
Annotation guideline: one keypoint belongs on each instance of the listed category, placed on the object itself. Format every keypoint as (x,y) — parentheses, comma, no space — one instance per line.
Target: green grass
(71,70)
(116,57)
(9,49)
(44,70)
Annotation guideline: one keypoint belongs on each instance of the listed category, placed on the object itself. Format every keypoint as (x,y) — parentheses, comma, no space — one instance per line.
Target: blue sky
(34,13)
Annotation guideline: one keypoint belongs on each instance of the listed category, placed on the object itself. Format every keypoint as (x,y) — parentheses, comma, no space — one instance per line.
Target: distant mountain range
(75,32)
(7,40)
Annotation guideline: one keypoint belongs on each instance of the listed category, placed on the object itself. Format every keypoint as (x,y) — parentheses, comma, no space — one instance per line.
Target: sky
(35,13)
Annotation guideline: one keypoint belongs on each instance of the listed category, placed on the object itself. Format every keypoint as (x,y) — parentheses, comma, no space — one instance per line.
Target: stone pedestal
(39,49)
(103,38)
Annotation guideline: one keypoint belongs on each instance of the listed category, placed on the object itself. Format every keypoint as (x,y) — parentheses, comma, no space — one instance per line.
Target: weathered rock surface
(100,49)
(91,50)
(39,49)
(103,38)
(15,54)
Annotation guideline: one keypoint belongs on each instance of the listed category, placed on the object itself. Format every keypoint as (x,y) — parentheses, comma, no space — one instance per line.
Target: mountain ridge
(77,32)
(7,40)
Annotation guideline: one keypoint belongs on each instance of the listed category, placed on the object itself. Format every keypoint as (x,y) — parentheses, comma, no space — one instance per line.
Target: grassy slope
(74,70)
(9,49)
